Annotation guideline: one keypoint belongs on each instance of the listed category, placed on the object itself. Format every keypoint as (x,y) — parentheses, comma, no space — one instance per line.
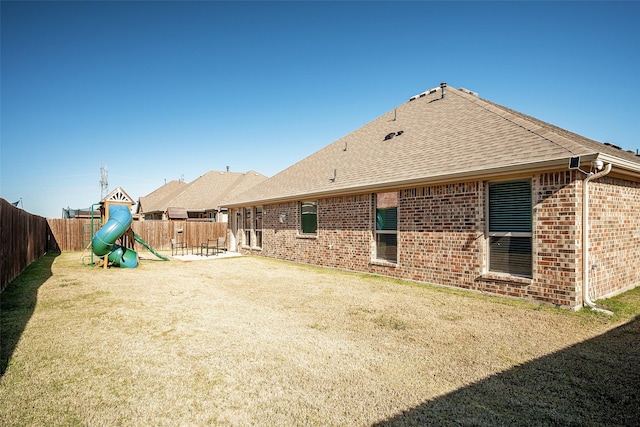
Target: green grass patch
(390,322)
(624,306)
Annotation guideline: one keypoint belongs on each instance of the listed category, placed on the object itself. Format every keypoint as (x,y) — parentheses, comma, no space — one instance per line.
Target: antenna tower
(104,182)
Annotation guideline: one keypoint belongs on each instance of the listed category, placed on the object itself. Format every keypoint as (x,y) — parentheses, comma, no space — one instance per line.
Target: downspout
(585,240)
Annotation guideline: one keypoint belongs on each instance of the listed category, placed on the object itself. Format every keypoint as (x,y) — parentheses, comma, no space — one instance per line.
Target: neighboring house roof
(207,191)
(203,194)
(158,200)
(80,213)
(177,213)
(432,139)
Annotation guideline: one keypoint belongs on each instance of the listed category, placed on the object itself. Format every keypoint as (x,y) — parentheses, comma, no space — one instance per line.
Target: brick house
(451,189)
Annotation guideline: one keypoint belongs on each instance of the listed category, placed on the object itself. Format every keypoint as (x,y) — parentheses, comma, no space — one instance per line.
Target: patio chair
(221,244)
(211,245)
(175,245)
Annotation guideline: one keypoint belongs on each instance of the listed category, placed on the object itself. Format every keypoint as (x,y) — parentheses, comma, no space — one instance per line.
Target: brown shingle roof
(204,193)
(208,191)
(158,200)
(426,139)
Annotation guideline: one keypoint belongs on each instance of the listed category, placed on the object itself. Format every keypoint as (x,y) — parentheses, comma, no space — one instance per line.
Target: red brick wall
(556,227)
(614,240)
(441,230)
(343,239)
(442,240)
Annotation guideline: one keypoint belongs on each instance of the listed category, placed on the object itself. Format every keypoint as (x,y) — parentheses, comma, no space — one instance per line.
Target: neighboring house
(94,212)
(155,204)
(199,199)
(451,189)
(81,213)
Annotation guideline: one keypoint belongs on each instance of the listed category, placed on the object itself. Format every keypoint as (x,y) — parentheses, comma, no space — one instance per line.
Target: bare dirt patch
(250,341)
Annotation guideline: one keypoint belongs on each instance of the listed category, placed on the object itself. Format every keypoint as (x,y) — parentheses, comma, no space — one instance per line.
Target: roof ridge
(522,120)
(589,144)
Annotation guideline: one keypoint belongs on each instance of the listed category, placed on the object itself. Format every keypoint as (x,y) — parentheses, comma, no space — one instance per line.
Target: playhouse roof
(119,196)
(433,138)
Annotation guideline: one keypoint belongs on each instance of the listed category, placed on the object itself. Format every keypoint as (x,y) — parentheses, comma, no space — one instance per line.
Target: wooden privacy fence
(24,238)
(158,234)
(75,234)
(72,234)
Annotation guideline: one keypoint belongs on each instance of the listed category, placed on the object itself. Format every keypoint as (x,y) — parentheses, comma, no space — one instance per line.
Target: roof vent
(612,145)
(425,93)
(443,86)
(392,134)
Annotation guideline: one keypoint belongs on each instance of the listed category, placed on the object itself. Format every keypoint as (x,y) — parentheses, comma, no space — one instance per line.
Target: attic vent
(392,134)
(470,92)
(612,145)
(425,93)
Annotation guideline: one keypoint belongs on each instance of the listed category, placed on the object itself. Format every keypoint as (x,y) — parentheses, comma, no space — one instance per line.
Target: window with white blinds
(510,216)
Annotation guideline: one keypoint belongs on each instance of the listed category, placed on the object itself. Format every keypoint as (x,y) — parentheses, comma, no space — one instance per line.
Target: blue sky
(168,90)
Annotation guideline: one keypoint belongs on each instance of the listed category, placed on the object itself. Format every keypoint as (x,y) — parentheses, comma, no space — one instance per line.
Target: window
(309,217)
(387,226)
(510,215)
(258,227)
(247,227)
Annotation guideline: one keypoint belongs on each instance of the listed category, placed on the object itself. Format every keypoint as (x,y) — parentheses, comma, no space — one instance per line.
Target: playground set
(113,242)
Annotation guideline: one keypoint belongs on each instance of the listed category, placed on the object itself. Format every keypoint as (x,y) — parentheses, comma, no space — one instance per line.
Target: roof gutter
(586,301)
(475,174)
(622,165)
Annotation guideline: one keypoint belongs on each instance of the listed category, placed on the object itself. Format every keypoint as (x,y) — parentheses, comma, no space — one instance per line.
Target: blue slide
(103,242)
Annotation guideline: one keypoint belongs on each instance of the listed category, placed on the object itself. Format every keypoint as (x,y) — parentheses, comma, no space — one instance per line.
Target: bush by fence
(24,238)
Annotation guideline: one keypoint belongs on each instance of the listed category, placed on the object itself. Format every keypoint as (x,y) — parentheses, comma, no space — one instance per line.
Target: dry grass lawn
(256,342)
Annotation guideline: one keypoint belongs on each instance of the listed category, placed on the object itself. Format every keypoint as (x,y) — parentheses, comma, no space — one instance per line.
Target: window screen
(387,226)
(510,206)
(510,216)
(309,217)
(247,227)
(258,226)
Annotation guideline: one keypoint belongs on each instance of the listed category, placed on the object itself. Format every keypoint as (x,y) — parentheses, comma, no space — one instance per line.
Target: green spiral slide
(103,243)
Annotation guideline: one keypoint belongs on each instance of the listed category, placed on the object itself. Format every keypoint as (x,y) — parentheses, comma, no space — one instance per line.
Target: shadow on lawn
(17,303)
(596,382)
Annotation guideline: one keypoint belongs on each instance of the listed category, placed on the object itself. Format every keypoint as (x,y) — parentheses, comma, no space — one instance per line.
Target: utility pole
(104,182)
